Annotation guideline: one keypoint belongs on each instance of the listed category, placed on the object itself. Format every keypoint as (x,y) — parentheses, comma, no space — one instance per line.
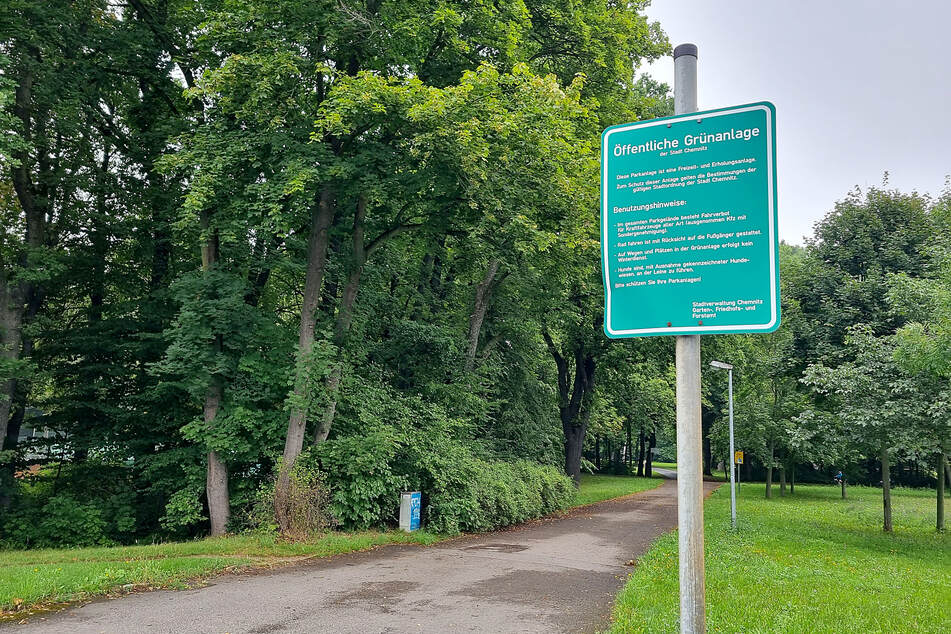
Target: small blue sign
(415,501)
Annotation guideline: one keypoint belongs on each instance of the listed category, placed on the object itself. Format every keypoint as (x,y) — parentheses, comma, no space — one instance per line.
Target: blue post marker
(415,501)
(410,504)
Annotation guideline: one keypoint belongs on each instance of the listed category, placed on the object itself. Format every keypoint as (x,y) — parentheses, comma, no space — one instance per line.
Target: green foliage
(406,444)
(866,238)
(361,477)
(61,521)
(212,307)
(295,505)
(72,505)
(478,495)
(875,397)
(183,510)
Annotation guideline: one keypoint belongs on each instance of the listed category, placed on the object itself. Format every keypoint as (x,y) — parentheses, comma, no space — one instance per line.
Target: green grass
(811,562)
(31,578)
(665,465)
(595,488)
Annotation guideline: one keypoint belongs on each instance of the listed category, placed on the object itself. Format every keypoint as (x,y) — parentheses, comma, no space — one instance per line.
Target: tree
(229,226)
(924,347)
(844,281)
(877,402)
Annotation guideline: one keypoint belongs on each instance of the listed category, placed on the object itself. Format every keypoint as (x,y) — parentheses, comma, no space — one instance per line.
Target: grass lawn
(811,562)
(596,487)
(664,465)
(30,579)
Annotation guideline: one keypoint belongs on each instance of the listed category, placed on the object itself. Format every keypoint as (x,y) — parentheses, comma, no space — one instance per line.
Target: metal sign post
(689,429)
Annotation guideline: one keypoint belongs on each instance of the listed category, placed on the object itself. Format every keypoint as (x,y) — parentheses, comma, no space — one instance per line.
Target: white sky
(860,87)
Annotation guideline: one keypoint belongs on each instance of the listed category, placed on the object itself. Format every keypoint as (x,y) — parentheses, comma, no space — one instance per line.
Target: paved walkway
(553,575)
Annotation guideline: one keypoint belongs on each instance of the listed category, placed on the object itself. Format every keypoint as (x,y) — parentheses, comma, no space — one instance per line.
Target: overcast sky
(860,87)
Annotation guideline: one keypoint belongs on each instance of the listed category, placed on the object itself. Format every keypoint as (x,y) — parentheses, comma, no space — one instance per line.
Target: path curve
(552,575)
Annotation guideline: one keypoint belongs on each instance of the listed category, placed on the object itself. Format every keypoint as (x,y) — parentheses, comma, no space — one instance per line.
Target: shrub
(390,442)
(61,521)
(490,494)
(365,489)
(296,508)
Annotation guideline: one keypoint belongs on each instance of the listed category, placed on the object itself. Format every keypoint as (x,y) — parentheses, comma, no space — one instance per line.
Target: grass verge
(809,562)
(30,580)
(597,487)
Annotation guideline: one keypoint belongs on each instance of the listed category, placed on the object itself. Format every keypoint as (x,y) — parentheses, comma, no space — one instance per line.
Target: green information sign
(688,224)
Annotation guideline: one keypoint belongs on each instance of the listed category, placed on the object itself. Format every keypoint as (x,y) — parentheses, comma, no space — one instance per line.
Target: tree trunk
(769,471)
(947,470)
(33,192)
(640,450)
(216,481)
(573,401)
(345,318)
(648,469)
(886,492)
(483,296)
(11,315)
(782,480)
(706,422)
(597,453)
(321,219)
(792,478)
(359,256)
(942,460)
(574,441)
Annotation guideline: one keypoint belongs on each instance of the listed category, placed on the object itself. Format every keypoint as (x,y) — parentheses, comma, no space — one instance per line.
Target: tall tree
(877,403)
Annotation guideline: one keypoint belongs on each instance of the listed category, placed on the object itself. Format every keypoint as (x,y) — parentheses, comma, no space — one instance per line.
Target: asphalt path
(552,575)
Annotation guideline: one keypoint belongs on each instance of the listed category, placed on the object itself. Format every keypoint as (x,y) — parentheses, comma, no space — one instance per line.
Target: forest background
(362,239)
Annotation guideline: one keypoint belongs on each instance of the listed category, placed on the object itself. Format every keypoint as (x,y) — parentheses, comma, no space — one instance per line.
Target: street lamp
(729,368)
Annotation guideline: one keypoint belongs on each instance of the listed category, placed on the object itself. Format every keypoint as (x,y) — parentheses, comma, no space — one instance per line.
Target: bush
(488,494)
(389,442)
(61,521)
(297,508)
(364,488)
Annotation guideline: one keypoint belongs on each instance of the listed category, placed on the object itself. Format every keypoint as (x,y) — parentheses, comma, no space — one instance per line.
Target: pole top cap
(685,49)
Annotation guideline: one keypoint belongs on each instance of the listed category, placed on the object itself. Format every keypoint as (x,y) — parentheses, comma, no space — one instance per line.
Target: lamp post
(729,368)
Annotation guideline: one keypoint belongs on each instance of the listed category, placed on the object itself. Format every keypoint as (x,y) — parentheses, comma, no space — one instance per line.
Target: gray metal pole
(732,456)
(689,435)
